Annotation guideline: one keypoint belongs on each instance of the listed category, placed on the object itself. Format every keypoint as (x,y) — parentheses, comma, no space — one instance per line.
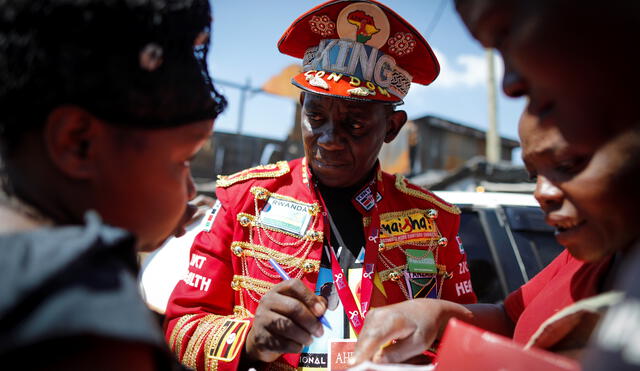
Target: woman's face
(588,193)
(572,60)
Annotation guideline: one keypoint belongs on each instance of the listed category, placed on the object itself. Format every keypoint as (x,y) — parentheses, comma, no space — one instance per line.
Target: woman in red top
(588,194)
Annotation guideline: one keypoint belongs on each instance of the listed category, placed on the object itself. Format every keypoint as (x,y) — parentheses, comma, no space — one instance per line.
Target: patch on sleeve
(263,171)
(231,334)
(211,216)
(459,241)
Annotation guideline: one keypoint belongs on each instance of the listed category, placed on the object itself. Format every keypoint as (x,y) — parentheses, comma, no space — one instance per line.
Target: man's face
(589,196)
(145,181)
(342,138)
(575,61)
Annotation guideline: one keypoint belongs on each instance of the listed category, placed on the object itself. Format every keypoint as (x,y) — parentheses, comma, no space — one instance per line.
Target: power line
(436,17)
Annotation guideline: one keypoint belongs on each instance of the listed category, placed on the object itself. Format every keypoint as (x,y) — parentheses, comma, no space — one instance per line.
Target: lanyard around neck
(354,314)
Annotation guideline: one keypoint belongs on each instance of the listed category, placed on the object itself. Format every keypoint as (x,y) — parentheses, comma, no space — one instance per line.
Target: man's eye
(314,118)
(356,126)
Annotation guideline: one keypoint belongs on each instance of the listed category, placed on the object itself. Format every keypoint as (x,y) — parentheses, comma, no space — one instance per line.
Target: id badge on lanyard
(354,314)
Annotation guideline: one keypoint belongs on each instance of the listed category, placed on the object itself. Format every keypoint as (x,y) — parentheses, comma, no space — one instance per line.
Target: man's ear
(395,122)
(301,98)
(70,135)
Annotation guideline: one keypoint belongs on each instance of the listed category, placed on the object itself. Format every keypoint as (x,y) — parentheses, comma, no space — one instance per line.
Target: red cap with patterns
(358,49)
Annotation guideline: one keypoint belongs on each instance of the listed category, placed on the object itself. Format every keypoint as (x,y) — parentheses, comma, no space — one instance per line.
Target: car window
(482,266)
(535,240)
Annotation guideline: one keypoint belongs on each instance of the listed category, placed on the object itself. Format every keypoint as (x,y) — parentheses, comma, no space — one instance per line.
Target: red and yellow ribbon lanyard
(354,314)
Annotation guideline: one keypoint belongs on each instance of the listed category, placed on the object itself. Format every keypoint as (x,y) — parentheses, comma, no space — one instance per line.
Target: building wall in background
(425,144)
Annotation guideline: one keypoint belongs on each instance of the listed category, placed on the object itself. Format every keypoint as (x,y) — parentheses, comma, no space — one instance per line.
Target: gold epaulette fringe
(401,185)
(263,171)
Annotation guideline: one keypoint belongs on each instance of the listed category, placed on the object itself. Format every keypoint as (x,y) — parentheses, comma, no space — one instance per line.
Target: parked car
(506,240)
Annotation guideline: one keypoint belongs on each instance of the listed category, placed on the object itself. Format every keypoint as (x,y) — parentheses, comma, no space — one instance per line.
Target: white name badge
(285,215)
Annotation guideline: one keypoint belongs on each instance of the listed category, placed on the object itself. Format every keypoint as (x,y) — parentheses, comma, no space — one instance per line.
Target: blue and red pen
(285,277)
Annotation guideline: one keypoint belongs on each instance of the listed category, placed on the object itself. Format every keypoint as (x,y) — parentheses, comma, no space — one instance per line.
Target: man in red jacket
(338,225)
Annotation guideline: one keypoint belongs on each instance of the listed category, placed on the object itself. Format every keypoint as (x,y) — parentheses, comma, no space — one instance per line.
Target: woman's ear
(70,136)
(395,122)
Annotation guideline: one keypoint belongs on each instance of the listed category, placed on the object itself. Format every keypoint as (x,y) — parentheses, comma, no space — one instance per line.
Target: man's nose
(331,138)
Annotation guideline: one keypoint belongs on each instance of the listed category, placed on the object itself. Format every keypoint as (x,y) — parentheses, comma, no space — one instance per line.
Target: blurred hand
(285,320)
(413,324)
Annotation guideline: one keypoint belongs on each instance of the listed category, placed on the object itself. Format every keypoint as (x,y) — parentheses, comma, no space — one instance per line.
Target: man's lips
(330,163)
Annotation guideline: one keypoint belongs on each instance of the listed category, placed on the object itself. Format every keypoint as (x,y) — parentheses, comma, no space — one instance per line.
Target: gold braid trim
(262,193)
(263,171)
(176,329)
(205,325)
(211,364)
(250,283)
(182,335)
(311,235)
(265,253)
(425,195)
(203,334)
(242,221)
(385,275)
(242,312)
(442,271)
(213,340)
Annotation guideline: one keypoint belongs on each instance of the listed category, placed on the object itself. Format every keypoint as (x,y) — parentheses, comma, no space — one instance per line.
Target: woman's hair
(132,63)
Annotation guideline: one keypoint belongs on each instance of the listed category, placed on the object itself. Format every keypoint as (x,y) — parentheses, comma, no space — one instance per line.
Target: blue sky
(245,33)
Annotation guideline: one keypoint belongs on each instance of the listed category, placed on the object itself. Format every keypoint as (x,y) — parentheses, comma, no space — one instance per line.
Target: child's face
(145,181)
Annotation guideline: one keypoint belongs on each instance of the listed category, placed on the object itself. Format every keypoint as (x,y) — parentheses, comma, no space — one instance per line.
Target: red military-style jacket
(211,310)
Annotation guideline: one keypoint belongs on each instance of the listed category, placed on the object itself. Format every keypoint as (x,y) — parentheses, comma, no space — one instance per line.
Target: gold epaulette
(401,185)
(263,171)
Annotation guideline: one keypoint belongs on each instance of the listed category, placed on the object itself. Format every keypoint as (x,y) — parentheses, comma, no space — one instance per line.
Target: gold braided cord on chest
(295,264)
(265,253)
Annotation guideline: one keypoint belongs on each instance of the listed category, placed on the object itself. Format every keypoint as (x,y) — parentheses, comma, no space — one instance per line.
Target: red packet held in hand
(466,347)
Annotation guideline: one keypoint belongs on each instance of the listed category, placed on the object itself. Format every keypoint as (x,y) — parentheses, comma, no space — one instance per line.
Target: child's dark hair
(137,63)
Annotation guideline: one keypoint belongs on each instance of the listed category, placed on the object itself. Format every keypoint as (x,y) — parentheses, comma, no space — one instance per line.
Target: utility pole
(244,91)
(243,98)
(493,138)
